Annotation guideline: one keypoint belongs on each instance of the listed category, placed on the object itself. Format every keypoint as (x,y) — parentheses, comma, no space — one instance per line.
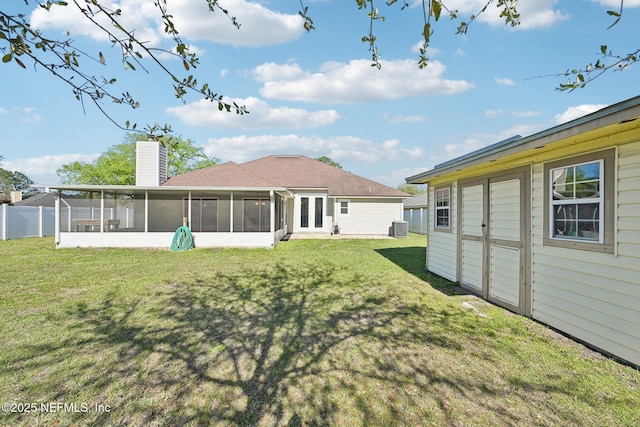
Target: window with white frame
(343,207)
(576,201)
(443,208)
(579,202)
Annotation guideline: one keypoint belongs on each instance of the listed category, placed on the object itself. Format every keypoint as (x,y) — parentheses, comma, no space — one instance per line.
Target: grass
(316,332)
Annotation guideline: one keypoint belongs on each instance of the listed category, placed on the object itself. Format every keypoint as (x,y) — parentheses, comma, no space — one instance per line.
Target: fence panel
(17,222)
(417,219)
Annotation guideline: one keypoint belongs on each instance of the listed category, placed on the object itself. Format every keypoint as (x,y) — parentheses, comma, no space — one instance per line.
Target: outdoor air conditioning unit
(400,229)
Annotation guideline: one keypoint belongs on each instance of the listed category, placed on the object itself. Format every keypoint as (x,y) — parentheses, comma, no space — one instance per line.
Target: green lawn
(316,332)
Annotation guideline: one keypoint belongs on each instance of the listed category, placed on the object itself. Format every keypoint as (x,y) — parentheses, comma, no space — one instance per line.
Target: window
(344,207)
(443,209)
(318,215)
(579,205)
(304,212)
(256,215)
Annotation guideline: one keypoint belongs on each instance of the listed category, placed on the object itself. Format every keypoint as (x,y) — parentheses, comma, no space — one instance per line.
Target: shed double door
(493,240)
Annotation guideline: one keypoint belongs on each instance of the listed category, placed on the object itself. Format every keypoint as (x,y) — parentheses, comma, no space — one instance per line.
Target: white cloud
(42,169)
(431,51)
(572,113)
(398,177)
(261,115)
(355,82)
(533,14)
(342,149)
(140,15)
(259,25)
(615,4)
(492,114)
(504,82)
(3,110)
(479,140)
(399,119)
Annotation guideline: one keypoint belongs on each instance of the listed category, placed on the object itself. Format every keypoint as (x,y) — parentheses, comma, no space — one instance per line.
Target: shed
(548,226)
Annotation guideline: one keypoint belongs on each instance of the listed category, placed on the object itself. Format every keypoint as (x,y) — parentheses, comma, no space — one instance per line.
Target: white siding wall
(369,216)
(592,296)
(442,246)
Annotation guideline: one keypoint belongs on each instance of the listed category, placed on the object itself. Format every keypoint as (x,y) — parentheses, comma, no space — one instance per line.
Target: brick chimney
(151,164)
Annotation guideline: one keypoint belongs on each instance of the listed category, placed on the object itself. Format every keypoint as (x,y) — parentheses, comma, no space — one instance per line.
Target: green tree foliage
(117,166)
(29,47)
(412,189)
(13,180)
(327,160)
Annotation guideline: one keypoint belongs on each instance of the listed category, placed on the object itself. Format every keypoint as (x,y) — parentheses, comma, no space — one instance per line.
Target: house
(548,226)
(416,214)
(252,204)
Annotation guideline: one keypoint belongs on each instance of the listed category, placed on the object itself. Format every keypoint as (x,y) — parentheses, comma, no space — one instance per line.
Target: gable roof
(293,172)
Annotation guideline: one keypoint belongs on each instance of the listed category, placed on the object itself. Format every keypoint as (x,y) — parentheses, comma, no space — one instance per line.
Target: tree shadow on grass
(412,260)
(276,345)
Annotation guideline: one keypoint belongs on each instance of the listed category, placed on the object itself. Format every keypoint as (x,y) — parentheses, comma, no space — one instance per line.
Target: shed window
(443,208)
(579,202)
(576,201)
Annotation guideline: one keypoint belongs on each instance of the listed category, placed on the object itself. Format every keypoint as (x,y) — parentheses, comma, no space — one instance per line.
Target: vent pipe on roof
(151,164)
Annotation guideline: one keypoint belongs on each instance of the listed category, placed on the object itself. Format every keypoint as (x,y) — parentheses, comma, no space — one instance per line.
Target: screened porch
(120,216)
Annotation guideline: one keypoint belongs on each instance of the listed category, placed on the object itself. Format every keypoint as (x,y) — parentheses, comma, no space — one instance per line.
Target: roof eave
(168,188)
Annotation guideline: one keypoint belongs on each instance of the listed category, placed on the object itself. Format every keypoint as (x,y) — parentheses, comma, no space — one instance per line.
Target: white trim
(339,207)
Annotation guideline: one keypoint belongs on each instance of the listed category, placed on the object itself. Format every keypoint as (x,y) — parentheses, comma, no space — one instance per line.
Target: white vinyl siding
(593,296)
(441,247)
(369,216)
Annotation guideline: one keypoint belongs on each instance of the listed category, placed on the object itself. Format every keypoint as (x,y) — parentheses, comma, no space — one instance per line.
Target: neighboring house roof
(40,199)
(417,201)
(607,121)
(47,200)
(293,172)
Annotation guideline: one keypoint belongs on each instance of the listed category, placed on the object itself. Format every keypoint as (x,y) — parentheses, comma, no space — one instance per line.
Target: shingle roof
(228,174)
(419,200)
(288,172)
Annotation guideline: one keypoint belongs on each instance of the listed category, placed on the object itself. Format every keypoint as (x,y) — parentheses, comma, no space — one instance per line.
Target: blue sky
(316,93)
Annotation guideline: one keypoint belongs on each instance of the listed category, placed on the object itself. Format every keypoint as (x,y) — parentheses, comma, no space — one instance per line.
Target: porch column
(57,216)
(272,212)
(102,211)
(189,210)
(231,214)
(4,217)
(146,211)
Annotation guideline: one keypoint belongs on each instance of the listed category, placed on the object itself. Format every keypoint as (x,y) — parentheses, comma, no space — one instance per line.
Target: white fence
(17,222)
(417,219)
